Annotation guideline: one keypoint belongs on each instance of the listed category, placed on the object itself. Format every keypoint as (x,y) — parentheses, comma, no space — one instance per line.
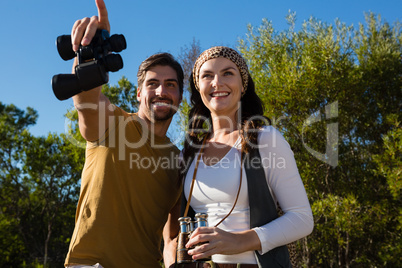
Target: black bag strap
(262,209)
(262,205)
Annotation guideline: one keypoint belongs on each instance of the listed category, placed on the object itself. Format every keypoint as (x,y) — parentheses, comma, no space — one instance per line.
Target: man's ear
(138,94)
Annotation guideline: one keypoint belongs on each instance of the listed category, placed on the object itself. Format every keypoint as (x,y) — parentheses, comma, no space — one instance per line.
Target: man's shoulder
(169,147)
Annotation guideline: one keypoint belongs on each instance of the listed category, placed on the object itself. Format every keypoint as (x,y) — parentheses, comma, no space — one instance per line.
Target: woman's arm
(217,241)
(287,189)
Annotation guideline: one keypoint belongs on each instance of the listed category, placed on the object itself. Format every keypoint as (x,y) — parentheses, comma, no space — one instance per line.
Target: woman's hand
(217,241)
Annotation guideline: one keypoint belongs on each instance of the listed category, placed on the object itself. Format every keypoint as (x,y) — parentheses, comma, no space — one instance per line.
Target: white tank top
(214,193)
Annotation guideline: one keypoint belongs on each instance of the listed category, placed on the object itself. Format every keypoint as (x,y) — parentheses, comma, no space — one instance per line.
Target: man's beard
(164,117)
(161,116)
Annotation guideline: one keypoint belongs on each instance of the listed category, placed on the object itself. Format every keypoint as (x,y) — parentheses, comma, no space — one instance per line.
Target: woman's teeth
(220,94)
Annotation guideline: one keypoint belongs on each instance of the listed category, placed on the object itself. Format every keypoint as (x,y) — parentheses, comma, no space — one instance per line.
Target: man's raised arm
(92,106)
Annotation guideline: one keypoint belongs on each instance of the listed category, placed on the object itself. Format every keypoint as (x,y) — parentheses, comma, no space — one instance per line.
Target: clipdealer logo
(331,150)
(330,156)
(154,163)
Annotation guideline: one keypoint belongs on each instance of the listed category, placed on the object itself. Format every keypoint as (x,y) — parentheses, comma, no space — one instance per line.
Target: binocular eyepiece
(94,63)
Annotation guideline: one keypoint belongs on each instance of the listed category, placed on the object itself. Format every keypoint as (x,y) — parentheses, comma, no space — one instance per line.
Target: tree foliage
(39,189)
(124,95)
(187,57)
(335,93)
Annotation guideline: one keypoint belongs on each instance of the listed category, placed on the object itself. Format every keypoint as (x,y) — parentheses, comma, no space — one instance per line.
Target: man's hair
(163,59)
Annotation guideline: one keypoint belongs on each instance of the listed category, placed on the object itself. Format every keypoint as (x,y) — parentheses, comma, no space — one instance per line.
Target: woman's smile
(219,94)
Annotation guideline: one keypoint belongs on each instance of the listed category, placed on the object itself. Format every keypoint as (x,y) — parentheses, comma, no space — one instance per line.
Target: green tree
(123,95)
(13,124)
(39,189)
(54,167)
(335,93)
(187,57)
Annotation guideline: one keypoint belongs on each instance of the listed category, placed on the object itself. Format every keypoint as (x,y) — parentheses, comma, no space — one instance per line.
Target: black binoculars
(186,229)
(94,63)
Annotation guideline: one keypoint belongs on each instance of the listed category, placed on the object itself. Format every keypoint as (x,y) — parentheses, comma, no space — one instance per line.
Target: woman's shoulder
(268,132)
(271,136)
(268,129)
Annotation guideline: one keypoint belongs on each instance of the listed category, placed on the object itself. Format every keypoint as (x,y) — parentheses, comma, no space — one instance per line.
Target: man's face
(159,95)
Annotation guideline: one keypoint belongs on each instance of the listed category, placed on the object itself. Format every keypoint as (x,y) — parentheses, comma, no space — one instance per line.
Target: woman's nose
(216,82)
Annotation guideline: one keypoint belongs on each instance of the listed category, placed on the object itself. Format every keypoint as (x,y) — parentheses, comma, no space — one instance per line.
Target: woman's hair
(250,115)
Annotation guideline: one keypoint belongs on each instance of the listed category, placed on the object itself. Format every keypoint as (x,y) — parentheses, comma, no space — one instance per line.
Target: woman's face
(220,86)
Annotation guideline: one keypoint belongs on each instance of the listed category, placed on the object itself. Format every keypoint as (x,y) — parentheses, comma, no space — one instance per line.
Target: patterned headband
(224,52)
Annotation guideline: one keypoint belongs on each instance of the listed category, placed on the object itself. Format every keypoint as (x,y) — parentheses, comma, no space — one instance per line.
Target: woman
(227,133)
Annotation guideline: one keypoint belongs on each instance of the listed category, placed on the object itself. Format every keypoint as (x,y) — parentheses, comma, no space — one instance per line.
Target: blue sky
(29,58)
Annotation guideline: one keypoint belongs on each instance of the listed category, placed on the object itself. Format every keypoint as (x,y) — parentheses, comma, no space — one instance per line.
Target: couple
(124,210)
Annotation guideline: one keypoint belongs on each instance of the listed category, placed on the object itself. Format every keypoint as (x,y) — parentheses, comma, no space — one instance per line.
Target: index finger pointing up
(102,15)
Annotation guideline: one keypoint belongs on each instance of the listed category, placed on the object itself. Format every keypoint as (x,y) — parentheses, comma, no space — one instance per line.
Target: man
(129,182)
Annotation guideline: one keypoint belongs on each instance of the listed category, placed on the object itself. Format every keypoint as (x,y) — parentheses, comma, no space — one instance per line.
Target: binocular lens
(113,62)
(64,47)
(117,42)
(65,86)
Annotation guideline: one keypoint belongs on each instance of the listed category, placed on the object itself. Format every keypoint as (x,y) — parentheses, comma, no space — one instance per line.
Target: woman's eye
(228,73)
